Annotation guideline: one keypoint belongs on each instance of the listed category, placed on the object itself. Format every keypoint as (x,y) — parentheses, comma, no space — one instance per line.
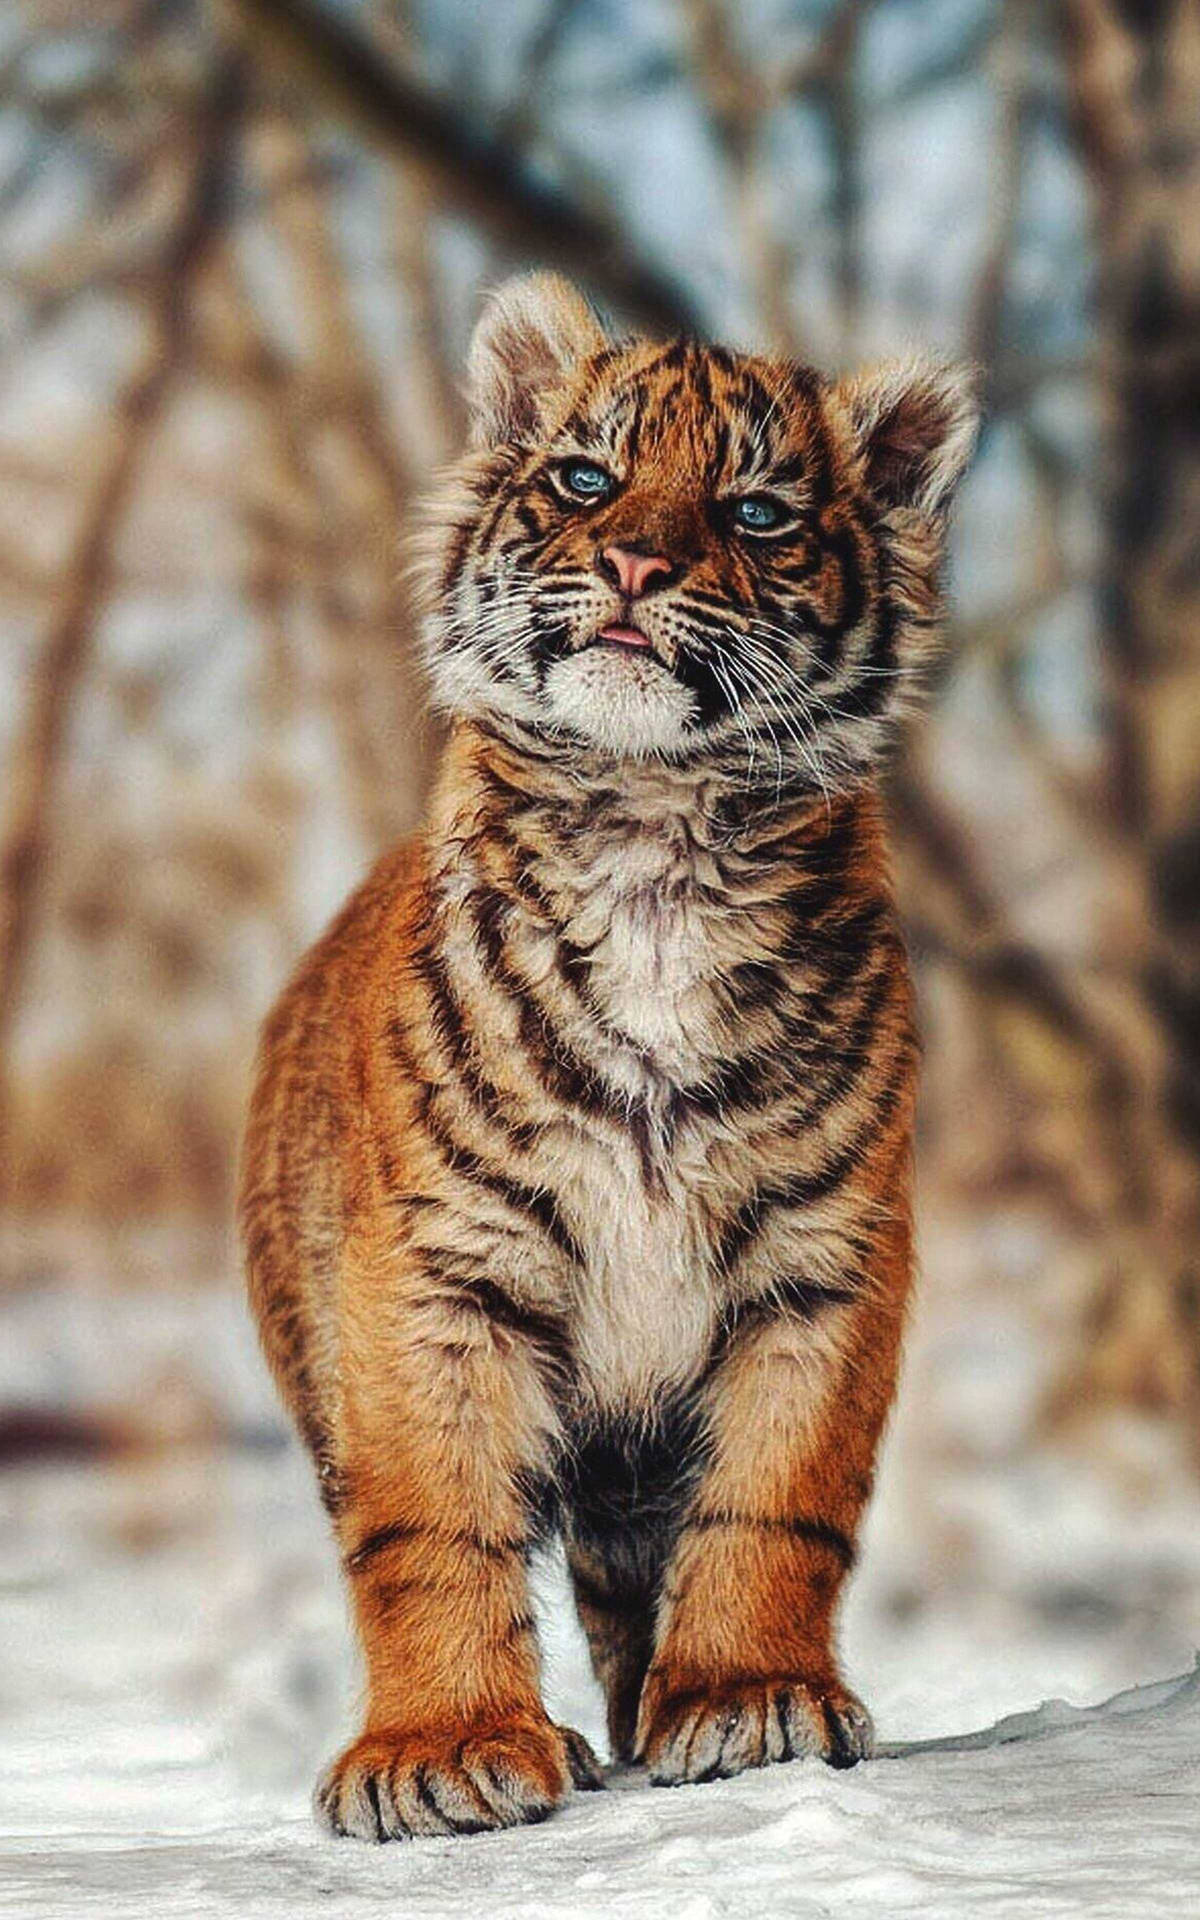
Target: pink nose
(633,570)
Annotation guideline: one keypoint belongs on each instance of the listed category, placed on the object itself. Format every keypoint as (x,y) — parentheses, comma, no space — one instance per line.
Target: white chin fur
(624,703)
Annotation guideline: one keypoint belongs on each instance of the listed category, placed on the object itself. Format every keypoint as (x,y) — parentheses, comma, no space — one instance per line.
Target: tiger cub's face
(680,551)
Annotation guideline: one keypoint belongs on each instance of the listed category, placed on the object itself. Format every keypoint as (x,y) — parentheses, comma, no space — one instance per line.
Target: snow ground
(177,1663)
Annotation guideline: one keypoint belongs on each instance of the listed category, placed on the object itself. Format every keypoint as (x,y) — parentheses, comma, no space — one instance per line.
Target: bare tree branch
(37,758)
(475,172)
(735,101)
(1010,58)
(1135,79)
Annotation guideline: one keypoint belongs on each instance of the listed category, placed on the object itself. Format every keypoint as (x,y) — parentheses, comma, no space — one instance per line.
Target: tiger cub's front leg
(744,1669)
(445,1425)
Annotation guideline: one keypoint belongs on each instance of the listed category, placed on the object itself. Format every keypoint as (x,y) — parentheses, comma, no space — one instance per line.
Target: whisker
(757,685)
(719,664)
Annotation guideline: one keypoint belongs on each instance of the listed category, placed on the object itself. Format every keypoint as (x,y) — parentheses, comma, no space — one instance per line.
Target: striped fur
(576,1187)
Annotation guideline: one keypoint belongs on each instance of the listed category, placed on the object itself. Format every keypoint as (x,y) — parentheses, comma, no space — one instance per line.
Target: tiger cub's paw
(707,1732)
(392,1786)
(586,1772)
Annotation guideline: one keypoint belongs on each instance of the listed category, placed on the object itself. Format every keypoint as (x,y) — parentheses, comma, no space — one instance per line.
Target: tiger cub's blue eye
(585,479)
(758,513)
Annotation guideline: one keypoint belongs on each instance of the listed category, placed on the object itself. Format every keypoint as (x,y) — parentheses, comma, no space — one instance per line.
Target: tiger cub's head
(679,551)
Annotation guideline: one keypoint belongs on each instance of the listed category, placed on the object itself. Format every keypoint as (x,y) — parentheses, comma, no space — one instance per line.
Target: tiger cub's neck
(670,900)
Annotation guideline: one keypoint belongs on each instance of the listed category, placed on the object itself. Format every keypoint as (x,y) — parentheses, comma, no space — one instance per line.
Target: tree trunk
(1134,70)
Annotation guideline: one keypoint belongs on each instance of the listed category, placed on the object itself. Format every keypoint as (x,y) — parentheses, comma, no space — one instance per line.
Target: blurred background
(241,249)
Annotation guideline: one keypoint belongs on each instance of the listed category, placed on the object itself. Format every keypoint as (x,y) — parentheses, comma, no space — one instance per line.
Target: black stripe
(844,549)
(457,549)
(633,436)
(751,985)
(534,1203)
(545,1331)
(831,919)
(865,694)
(389,1593)
(425,1795)
(397,1531)
(797,1299)
(508,482)
(812,1052)
(820,473)
(450,1027)
(531,525)
(371,1786)
(752,396)
(796,467)
(806,383)
(840,958)
(823,863)
(848,1058)
(560,1070)
(672,359)
(805,1189)
(839,951)
(514,798)
(696,673)
(779,1699)
(814,1532)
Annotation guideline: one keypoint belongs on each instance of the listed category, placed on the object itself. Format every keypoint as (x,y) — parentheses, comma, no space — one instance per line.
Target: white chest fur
(642,918)
(633,906)
(645,1313)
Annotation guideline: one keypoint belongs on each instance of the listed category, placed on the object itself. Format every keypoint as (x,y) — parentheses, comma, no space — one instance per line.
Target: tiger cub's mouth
(618,634)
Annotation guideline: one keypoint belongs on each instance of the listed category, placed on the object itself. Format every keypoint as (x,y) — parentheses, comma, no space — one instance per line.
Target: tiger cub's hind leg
(617,1616)
(626,1493)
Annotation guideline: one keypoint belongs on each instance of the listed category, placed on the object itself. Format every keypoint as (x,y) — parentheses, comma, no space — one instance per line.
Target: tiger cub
(576,1185)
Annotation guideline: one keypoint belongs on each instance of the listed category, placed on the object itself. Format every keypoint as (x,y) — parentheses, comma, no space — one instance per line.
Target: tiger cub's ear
(914,424)
(532,332)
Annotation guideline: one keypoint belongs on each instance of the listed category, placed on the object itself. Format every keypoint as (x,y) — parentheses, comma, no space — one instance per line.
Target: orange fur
(576,1184)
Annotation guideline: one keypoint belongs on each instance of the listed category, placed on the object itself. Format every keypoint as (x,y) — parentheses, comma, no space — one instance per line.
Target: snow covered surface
(177,1662)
